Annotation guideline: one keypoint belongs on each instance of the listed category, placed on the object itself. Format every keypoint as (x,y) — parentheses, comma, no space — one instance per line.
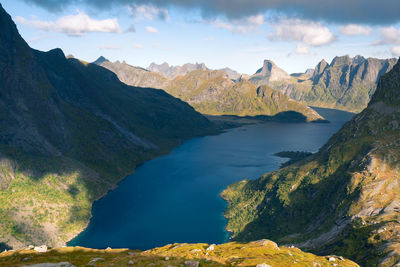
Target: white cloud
(307,32)
(354,29)
(243,25)
(109,47)
(149,12)
(138,46)
(151,29)
(73,25)
(302,49)
(209,39)
(389,35)
(396,51)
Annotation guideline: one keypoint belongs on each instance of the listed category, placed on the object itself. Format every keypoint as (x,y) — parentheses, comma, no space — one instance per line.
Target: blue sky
(179,35)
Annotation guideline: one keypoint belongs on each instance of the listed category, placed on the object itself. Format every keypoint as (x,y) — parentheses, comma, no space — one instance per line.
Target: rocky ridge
(262,253)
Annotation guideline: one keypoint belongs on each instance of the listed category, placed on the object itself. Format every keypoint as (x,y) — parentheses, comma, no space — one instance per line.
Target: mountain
(214,93)
(344,199)
(262,253)
(172,72)
(346,83)
(217,92)
(269,73)
(134,76)
(70,131)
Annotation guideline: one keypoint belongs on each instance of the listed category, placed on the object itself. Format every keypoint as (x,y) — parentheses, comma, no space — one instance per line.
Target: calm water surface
(175,198)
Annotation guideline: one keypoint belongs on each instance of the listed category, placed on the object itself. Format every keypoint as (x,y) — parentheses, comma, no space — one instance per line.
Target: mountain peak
(269,72)
(100,60)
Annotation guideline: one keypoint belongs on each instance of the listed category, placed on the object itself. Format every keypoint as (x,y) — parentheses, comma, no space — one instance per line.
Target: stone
(59,264)
(263,265)
(192,263)
(41,249)
(332,259)
(167,258)
(130,262)
(211,248)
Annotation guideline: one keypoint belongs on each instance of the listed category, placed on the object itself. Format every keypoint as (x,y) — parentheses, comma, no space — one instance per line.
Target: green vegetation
(229,254)
(294,156)
(70,131)
(343,199)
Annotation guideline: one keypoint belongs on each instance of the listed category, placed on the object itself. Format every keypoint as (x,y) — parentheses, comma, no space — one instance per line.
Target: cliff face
(345,199)
(69,132)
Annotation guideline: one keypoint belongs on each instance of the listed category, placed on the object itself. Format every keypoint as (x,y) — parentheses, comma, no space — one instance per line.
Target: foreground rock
(260,253)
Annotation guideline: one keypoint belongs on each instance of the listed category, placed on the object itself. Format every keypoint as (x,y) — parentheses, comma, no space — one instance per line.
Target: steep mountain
(343,200)
(269,73)
(214,93)
(172,72)
(134,76)
(260,253)
(346,83)
(231,74)
(70,131)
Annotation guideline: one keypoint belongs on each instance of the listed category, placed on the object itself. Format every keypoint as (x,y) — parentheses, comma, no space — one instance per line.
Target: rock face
(69,131)
(346,83)
(229,254)
(268,73)
(343,200)
(172,72)
(214,93)
(134,76)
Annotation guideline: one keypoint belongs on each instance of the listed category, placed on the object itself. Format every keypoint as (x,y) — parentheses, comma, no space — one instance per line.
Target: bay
(175,198)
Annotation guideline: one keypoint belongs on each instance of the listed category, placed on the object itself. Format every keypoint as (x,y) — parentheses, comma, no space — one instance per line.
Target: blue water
(175,198)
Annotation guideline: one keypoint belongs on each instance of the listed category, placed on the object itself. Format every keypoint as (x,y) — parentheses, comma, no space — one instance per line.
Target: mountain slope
(69,132)
(134,76)
(214,93)
(345,199)
(268,73)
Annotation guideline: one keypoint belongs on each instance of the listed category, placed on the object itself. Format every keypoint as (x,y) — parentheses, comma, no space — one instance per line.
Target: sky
(295,34)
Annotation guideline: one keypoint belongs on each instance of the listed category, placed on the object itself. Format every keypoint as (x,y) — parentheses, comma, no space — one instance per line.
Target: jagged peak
(100,60)
(341,60)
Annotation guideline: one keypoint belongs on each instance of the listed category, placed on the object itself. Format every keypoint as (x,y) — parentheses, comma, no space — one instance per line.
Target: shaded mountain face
(69,132)
(343,200)
(134,76)
(346,83)
(214,93)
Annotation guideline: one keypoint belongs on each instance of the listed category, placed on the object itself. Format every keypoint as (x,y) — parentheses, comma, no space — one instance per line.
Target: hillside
(345,199)
(262,253)
(70,131)
(134,76)
(346,83)
(214,93)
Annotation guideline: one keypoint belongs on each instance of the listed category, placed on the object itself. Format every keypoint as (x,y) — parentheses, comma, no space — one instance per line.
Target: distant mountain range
(215,92)
(346,83)
(344,199)
(70,131)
